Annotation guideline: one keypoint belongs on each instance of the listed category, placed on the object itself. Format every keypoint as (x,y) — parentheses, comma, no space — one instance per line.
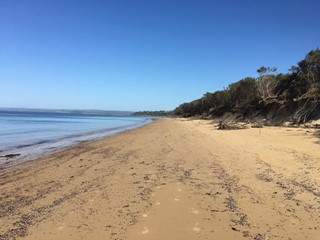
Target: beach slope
(171,179)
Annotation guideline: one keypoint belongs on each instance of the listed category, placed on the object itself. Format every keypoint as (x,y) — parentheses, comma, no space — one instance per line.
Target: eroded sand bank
(171,179)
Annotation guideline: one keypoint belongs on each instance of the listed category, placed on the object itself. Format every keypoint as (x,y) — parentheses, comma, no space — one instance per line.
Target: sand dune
(171,179)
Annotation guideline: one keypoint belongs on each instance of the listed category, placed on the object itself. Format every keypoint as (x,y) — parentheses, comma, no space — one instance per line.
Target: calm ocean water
(32,133)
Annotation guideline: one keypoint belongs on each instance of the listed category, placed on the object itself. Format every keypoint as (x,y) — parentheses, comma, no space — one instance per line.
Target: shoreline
(170,179)
(45,149)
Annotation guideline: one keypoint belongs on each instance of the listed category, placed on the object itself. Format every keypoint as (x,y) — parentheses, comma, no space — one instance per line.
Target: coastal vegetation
(273,97)
(161,113)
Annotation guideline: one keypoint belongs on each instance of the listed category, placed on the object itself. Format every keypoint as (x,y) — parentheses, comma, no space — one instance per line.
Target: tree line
(275,96)
(160,113)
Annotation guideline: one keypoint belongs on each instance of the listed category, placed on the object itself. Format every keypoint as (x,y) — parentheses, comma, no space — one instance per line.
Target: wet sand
(171,179)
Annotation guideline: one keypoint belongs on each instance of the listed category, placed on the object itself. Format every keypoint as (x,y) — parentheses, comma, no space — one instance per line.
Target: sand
(171,179)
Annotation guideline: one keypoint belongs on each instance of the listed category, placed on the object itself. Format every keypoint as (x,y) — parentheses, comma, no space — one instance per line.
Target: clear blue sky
(144,54)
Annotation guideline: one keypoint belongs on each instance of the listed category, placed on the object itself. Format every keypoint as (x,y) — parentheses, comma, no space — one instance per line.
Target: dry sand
(171,179)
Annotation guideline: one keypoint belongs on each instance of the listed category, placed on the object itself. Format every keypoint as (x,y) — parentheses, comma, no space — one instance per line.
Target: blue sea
(30,134)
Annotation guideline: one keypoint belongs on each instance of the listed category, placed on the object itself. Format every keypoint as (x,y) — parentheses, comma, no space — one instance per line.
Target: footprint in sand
(196,228)
(176,199)
(61,226)
(145,230)
(194,211)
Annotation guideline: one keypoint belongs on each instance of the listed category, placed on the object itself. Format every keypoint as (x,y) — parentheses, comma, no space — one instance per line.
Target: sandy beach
(171,179)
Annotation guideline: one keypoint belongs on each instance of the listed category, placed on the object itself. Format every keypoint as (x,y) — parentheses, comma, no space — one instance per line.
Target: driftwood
(230,122)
